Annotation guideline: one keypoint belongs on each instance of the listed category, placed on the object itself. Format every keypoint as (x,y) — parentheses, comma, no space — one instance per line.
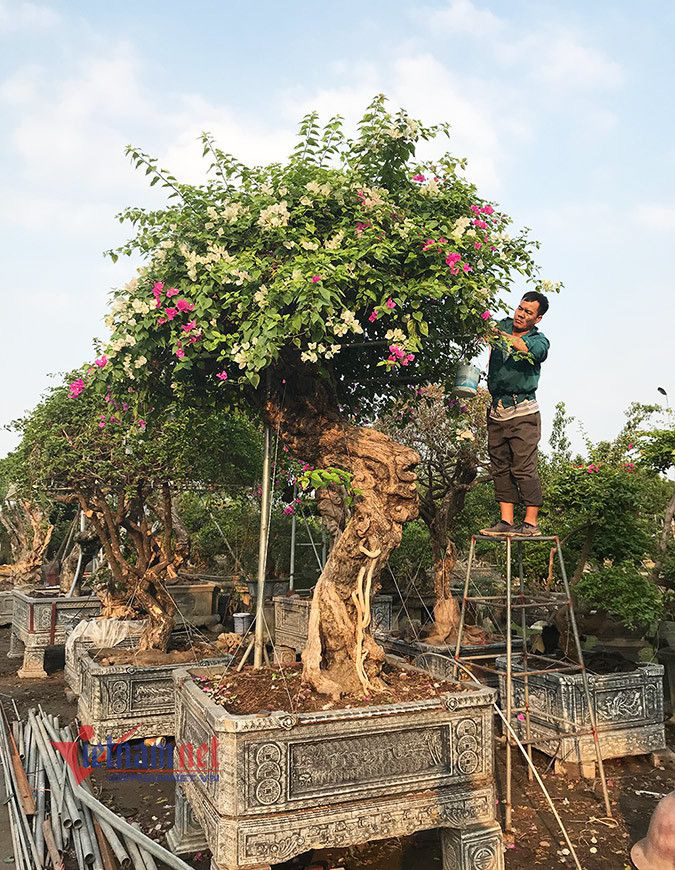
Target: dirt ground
(635,787)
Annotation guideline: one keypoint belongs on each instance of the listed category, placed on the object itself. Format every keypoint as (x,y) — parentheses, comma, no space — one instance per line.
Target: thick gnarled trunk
(341,655)
(138,585)
(29,532)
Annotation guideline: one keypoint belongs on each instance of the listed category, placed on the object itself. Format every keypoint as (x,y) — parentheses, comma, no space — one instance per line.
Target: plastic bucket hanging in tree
(466,380)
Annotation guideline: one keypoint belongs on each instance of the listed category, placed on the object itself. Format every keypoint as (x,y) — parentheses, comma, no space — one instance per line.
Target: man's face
(526,315)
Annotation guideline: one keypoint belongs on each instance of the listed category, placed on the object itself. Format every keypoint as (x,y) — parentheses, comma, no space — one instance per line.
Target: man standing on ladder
(514,422)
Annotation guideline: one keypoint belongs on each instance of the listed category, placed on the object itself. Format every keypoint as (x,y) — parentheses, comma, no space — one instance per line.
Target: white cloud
(551,53)
(16,15)
(463,16)
(563,60)
(656,216)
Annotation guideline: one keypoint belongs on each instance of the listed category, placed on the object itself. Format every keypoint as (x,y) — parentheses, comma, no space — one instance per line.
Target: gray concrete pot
(72,675)
(116,699)
(438,659)
(291,620)
(628,709)
(6,606)
(41,621)
(287,783)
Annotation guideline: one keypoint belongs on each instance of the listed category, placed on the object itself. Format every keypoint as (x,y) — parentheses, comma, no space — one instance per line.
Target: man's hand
(515,341)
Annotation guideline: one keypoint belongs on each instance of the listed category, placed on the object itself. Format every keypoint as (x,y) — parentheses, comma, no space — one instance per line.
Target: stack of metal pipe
(51,814)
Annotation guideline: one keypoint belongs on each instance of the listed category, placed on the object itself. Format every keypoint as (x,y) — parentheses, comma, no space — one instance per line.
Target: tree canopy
(351,259)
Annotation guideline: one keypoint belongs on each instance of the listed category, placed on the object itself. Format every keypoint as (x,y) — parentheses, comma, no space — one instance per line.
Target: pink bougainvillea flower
(142,424)
(478,245)
(316,279)
(360,226)
(161,321)
(184,305)
(480,224)
(466,267)
(101,425)
(180,353)
(188,327)
(222,376)
(125,406)
(452,258)
(487,209)
(454,270)
(419,177)
(475,209)
(486,315)
(390,303)
(630,446)
(170,313)
(107,398)
(195,337)
(76,388)
(289,510)
(101,361)
(172,291)
(373,317)
(428,244)
(158,287)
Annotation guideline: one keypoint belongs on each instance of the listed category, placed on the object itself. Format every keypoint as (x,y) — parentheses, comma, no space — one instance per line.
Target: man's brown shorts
(512,445)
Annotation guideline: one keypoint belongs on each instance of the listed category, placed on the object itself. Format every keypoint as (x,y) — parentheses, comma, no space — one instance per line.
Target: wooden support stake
(57,860)
(25,791)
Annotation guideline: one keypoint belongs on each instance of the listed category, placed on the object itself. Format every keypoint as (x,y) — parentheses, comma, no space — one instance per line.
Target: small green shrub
(622,591)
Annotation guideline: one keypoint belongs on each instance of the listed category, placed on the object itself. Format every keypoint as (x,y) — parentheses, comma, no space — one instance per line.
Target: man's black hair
(534,296)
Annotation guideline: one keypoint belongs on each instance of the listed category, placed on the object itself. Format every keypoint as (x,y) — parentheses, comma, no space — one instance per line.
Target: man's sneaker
(527,531)
(500,528)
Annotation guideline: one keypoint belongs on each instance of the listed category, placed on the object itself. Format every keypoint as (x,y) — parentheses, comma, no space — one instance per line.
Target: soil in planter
(271,689)
(180,651)
(608,663)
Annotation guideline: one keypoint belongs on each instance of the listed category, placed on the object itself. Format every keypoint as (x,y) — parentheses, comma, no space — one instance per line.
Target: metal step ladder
(521,599)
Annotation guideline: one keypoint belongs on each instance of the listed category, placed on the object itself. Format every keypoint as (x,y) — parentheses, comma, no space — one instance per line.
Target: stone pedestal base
(16,647)
(284,655)
(187,835)
(476,848)
(33,665)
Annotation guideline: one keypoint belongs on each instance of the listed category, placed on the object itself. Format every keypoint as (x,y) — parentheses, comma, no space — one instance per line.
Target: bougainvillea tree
(320,286)
(122,470)
(449,433)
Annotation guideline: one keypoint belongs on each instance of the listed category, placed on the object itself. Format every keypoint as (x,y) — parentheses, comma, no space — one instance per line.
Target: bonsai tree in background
(321,287)
(122,472)
(450,436)
(606,506)
(25,520)
(656,451)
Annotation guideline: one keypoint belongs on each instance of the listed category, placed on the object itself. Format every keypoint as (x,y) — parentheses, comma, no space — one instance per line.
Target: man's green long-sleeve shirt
(513,380)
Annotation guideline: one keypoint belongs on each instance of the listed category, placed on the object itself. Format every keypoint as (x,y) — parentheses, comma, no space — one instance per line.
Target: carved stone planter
(117,698)
(72,674)
(6,606)
(438,659)
(291,619)
(287,783)
(628,709)
(41,621)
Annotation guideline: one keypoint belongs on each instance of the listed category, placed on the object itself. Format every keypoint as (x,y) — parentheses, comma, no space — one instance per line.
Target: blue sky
(564,110)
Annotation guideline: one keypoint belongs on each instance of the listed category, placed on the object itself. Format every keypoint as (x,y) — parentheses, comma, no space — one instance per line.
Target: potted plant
(315,290)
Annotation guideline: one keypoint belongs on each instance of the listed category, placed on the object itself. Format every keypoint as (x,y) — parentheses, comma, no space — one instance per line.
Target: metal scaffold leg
(521,708)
